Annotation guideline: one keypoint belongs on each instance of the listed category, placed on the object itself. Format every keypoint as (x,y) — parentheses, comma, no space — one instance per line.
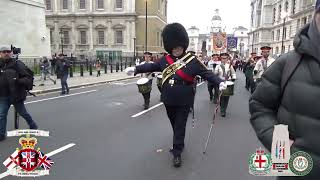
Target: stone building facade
(275,23)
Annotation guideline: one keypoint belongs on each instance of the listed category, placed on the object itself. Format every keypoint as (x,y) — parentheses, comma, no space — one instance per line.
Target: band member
(250,68)
(245,68)
(226,72)
(178,70)
(263,64)
(146,96)
(211,66)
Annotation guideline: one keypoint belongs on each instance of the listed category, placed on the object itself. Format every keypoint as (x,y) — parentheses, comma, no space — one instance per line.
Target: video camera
(15,50)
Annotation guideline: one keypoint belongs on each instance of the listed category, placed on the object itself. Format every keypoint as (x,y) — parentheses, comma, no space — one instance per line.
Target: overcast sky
(199,12)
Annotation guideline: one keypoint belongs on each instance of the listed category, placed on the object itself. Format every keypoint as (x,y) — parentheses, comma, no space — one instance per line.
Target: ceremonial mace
(216,111)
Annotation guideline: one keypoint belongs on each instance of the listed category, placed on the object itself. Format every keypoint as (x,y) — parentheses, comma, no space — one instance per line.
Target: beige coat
(259,67)
(228,70)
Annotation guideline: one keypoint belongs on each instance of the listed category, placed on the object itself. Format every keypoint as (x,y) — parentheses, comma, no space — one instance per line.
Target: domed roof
(216,16)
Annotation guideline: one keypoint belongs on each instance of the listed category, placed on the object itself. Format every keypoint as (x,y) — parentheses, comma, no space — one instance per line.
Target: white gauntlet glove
(222,86)
(130,71)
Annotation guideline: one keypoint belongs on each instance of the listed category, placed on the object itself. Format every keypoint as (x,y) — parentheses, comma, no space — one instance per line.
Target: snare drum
(144,85)
(230,89)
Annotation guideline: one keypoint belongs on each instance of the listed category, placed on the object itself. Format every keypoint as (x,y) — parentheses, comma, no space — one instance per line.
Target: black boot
(2,137)
(146,104)
(177,161)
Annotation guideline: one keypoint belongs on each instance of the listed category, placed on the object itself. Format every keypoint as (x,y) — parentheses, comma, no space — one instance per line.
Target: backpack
(292,63)
(25,71)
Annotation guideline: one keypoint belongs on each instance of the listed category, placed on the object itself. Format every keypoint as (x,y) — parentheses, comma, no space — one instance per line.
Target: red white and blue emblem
(28,159)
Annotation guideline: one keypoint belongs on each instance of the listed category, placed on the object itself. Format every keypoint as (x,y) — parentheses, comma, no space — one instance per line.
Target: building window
(100,4)
(298,24)
(293,6)
(100,37)
(272,35)
(277,50)
(278,34)
(51,36)
(279,14)
(66,39)
(285,33)
(290,31)
(83,37)
(48,5)
(165,9)
(158,39)
(286,7)
(119,37)
(82,4)
(304,20)
(64,4)
(119,4)
(274,15)
(309,18)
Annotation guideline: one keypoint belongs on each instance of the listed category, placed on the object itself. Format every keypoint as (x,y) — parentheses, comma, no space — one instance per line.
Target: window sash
(83,37)
(66,39)
(100,37)
(64,4)
(119,4)
(100,4)
(119,37)
(82,4)
(48,5)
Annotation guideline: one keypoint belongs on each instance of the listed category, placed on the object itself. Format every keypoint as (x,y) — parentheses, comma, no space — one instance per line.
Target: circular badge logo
(260,163)
(300,163)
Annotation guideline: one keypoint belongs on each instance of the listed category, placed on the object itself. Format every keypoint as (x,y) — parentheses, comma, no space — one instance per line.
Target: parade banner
(232,42)
(219,41)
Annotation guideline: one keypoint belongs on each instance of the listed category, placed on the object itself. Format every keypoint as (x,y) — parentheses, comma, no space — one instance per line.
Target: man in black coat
(178,90)
(13,82)
(62,69)
(296,104)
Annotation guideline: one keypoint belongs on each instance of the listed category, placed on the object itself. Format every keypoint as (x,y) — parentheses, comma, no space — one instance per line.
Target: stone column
(73,36)
(56,8)
(57,40)
(73,6)
(90,33)
(91,5)
(109,34)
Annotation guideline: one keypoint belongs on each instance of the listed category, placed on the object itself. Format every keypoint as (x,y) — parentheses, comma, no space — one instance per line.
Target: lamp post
(134,48)
(146,35)
(61,37)
(284,16)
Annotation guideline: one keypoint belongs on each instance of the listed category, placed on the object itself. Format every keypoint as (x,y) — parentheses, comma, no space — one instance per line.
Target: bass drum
(230,89)
(144,85)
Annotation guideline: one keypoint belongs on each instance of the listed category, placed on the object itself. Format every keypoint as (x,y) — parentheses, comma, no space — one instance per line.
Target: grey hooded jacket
(299,107)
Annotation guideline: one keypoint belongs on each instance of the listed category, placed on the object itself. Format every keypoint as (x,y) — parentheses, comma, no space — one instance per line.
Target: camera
(15,50)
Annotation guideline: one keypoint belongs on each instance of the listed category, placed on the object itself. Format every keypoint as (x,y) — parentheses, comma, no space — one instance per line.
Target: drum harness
(217,107)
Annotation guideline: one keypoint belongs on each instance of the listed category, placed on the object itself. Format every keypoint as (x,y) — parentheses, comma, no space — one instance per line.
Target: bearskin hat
(175,35)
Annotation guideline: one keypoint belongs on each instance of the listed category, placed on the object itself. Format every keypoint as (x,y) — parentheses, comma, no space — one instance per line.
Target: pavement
(77,81)
(117,140)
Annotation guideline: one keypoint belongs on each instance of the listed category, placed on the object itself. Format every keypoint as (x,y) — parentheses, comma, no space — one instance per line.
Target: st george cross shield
(28,159)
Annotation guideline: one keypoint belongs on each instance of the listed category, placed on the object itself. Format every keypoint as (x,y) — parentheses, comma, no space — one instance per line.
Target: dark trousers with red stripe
(178,116)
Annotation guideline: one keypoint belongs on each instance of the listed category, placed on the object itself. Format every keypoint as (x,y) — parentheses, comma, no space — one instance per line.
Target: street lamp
(283,16)
(146,35)
(61,36)
(134,48)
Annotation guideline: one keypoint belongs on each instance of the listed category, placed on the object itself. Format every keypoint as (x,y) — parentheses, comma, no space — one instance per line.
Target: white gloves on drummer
(222,86)
(130,71)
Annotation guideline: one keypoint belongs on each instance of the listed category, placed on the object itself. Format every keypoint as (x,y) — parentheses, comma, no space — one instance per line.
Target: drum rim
(141,79)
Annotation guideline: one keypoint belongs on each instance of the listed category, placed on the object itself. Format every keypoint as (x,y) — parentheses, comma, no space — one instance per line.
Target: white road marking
(58,97)
(145,111)
(155,106)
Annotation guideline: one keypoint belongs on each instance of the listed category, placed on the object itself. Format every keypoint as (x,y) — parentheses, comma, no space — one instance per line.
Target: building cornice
(304,11)
(153,17)
(30,2)
(110,15)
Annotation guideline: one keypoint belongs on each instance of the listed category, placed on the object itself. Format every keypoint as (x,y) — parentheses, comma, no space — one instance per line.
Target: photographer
(13,82)
(45,67)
